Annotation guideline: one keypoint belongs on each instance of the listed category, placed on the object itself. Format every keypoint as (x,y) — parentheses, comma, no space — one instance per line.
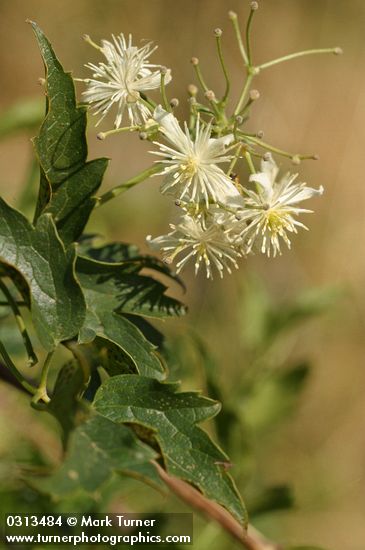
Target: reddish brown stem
(250,539)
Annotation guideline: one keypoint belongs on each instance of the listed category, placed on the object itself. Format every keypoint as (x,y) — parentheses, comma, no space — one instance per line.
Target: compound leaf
(97,449)
(68,182)
(57,302)
(187,450)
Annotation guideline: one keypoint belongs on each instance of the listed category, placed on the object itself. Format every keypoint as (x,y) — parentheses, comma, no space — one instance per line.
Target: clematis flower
(270,211)
(191,165)
(120,81)
(204,239)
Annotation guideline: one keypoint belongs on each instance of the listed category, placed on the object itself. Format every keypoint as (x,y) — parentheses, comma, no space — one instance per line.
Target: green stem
(238,34)
(163,93)
(103,135)
(32,357)
(41,392)
(224,68)
(248,44)
(200,77)
(295,55)
(147,101)
(234,160)
(128,184)
(192,117)
(273,149)
(81,356)
(246,107)
(14,371)
(87,39)
(244,94)
(250,162)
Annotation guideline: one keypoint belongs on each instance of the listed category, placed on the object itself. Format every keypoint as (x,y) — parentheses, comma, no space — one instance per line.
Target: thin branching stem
(224,68)
(276,150)
(165,102)
(238,34)
(104,135)
(200,77)
(32,357)
(244,93)
(128,184)
(234,160)
(248,37)
(14,371)
(41,392)
(250,162)
(295,55)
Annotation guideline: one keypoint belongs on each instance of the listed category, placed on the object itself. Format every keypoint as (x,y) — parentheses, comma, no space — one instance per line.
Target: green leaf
(100,321)
(97,449)
(68,182)
(65,402)
(110,293)
(128,256)
(111,253)
(113,359)
(57,303)
(127,292)
(187,450)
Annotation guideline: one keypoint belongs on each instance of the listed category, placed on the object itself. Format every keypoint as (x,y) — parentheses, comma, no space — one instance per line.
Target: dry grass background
(309,105)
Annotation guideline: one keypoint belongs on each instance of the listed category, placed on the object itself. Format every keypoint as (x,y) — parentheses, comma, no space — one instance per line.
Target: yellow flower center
(190,168)
(275,221)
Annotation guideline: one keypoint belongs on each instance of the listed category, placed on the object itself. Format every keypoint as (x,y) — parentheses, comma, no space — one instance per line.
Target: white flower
(190,166)
(121,79)
(203,238)
(270,211)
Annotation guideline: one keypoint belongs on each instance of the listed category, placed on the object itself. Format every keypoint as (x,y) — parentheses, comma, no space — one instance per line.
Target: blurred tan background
(314,105)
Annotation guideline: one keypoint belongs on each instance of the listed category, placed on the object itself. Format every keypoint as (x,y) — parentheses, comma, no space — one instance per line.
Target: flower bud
(267,157)
(194,61)
(338,51)
(101,136)
(163,70)
(143,136)
(260,134)
(232,15)
(218,32)
(210,95)
(192,90)
(296,159)
(254,6)
(174,103)
(239,120)
(254,95)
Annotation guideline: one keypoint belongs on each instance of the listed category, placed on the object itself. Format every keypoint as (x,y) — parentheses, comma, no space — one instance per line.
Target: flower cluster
(221,220)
